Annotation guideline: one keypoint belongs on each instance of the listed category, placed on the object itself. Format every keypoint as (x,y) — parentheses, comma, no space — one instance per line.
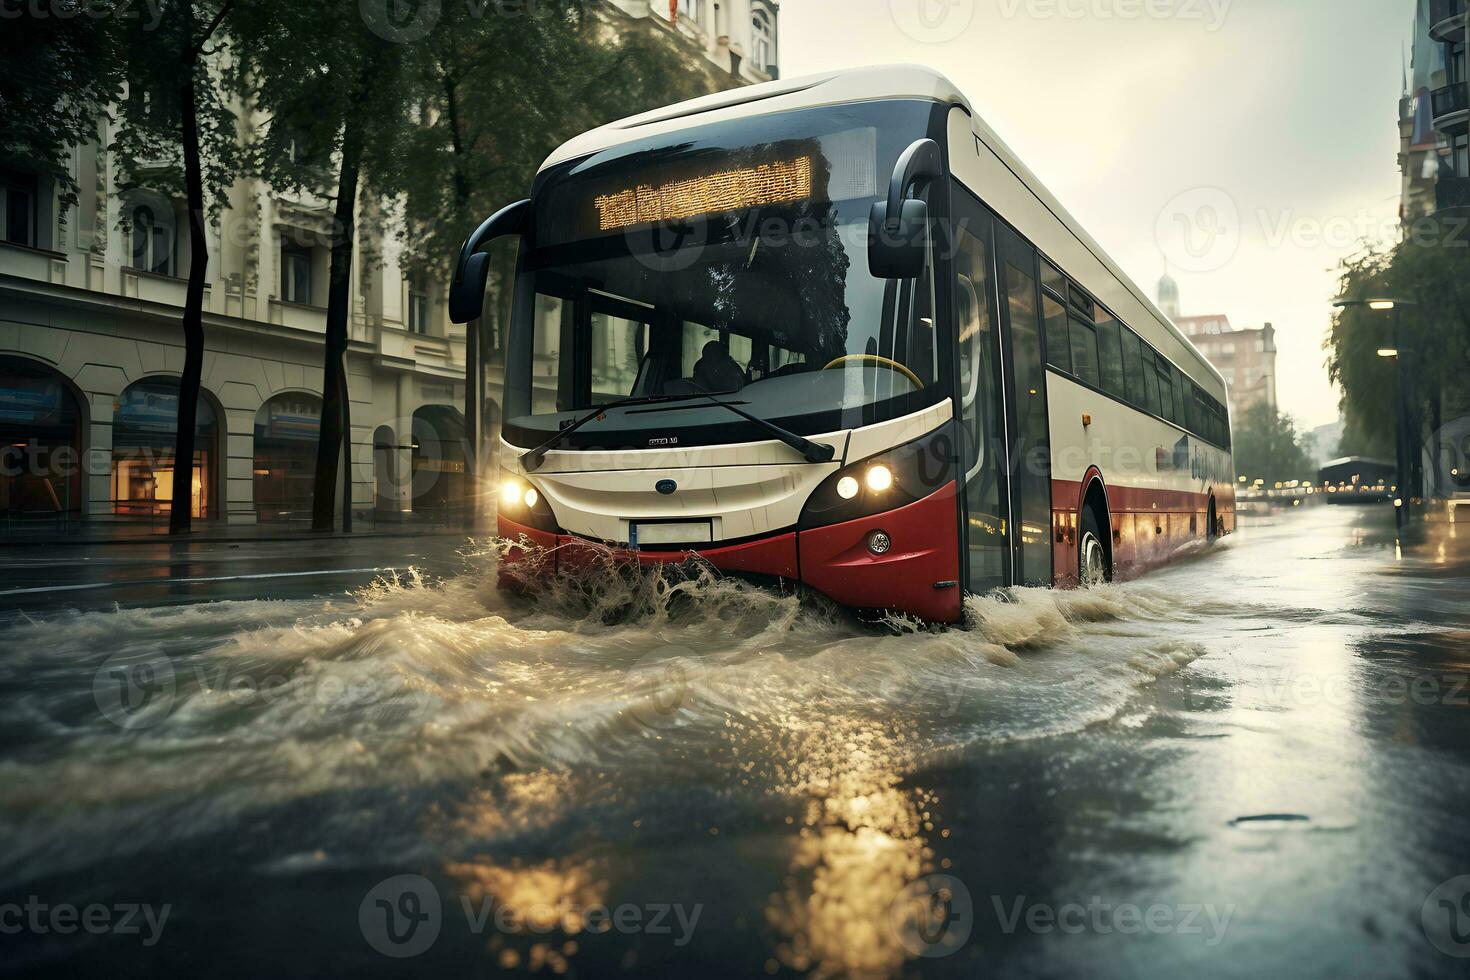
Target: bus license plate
(651,535)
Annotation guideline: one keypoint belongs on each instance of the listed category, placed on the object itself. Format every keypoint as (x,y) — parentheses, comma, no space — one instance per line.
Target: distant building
(1246,357)
(91,350)
(1325,441)
(1434,114)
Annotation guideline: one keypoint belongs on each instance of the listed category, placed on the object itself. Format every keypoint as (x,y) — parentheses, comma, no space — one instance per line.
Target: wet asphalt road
(1255,762)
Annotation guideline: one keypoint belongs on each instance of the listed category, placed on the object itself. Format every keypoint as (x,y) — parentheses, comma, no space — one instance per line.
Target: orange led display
(729,190)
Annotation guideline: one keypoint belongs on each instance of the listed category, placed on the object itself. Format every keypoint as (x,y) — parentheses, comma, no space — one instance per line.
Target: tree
(336,100)
(61,73)
(177,132)
(499,94)
(1268,446)
(1432,271)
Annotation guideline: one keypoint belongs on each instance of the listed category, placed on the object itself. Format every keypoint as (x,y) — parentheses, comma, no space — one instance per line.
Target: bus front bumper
(918,574)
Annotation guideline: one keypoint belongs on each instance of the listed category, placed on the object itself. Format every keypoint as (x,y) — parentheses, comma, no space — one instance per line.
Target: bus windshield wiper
(531,459)
(812,452)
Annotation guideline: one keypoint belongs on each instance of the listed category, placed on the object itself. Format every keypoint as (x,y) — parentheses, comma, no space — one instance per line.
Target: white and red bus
(830,331)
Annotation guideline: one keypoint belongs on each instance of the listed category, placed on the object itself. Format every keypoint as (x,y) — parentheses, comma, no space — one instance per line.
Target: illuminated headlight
(879,478)
(510,492)
(531,497)
(847,488)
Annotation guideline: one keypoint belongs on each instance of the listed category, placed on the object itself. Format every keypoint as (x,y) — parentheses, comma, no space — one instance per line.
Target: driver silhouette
(717,371)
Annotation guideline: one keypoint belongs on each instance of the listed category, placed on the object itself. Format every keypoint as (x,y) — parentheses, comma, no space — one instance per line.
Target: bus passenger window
(1133,367)
(1166,391)
(1150,383)
(1181,398)
(1058,347)
(1110,353)
(1052,278)
(1084,352)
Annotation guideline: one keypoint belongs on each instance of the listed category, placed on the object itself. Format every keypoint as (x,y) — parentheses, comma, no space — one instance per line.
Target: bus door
(985,518)
(1026,411)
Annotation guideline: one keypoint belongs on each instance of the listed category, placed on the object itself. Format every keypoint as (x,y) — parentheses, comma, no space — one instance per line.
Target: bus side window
(1150,382)
(1110,352)
(1084,352)
(1058,346)
(1166,389)
(1133,367)
(1181,398)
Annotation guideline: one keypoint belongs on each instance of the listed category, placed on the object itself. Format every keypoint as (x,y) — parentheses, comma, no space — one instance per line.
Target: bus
(1358,480)
(829,332)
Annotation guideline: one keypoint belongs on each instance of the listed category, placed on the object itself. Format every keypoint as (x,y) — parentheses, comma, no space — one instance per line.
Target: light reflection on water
(644,740)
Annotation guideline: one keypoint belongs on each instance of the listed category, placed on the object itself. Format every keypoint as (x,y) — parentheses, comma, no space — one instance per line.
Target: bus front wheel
(1092,553)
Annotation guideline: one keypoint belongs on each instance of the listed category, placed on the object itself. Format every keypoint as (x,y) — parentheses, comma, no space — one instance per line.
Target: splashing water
(411,684)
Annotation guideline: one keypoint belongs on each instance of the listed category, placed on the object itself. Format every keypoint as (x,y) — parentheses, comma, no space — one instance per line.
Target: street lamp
(1395,306)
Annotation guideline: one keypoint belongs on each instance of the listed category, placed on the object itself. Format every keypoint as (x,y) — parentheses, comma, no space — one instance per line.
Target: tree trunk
(181,509)
(335,418)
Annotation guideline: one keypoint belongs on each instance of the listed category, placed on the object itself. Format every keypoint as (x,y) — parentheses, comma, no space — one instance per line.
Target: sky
(1250,144)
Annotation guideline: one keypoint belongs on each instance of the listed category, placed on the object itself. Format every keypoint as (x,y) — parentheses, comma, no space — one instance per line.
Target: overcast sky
(1264,129)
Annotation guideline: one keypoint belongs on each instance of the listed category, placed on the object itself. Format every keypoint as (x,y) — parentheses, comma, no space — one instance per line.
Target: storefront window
(40,442)
(286,432)
(144,427)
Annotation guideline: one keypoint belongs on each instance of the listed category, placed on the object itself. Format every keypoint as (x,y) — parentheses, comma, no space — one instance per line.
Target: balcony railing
(1452,192)
(1451,99)
(1446,18)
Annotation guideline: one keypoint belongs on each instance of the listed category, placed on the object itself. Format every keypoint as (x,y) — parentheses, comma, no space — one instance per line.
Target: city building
(91,346)
(1245,356)
(1434,115)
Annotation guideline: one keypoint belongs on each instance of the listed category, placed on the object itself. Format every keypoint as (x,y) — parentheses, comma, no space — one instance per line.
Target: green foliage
(330,91)
(500,93)
(158,58)
(1433,272)
(1268,446)
(61,72)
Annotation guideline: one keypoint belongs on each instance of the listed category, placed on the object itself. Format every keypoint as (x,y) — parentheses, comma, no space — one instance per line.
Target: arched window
(144,426)
(40,442)
(762,40)
(438,459)
(286,431)
(152,241)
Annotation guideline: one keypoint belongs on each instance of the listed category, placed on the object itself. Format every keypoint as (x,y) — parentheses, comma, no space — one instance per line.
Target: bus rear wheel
(1092,552)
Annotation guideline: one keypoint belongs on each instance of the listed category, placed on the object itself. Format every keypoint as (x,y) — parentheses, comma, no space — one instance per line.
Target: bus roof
(858,85)
(829,88)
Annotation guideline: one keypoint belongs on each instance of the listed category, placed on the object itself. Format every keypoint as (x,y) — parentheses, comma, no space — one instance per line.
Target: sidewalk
(91,534)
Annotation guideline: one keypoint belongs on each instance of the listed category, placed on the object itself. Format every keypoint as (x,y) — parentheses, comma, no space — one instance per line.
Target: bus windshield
(731,261)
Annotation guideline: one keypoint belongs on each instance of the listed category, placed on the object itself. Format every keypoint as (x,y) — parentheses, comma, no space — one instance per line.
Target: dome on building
(1169,296)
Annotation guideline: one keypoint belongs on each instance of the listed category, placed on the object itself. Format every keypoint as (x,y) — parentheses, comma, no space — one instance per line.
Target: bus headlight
(510,491)
(887,481)
(524,504)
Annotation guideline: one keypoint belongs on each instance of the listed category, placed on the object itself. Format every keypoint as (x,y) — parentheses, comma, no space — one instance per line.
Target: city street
(1256,761)
(163,572)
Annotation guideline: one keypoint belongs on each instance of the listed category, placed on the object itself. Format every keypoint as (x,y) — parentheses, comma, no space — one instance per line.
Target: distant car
(1357,479)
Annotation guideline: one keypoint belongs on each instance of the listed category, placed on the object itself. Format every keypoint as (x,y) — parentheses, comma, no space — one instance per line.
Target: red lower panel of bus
(919,575)
(1149,525)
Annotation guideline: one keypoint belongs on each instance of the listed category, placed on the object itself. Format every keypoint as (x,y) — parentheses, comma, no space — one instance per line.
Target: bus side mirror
(898,227)
(896,249)
(467,290)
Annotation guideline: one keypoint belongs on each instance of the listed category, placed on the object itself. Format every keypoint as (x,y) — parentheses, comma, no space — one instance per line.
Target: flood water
(1257,759)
